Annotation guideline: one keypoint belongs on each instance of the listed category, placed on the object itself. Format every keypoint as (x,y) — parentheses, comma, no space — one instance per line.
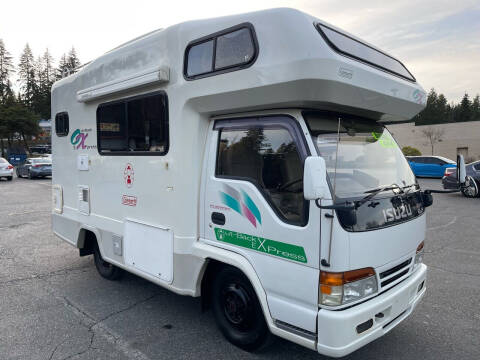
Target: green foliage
(411,151)
(439,111)
(19,115)
(6,69)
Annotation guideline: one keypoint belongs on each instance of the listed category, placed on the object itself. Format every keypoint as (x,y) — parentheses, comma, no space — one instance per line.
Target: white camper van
(243,159)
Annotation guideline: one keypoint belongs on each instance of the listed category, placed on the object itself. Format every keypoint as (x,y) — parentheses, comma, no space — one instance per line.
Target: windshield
(367,156)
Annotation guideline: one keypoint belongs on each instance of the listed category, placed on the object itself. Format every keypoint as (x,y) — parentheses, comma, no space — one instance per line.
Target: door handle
(218,218)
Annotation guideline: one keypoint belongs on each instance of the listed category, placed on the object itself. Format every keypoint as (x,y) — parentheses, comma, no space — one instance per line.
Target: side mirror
(461,170)
(315,185)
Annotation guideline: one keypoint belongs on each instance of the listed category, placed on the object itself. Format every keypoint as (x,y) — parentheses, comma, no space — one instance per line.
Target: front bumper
(337,330)
(41,172)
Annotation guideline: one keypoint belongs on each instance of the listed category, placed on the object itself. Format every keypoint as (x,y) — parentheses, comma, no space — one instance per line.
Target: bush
(411,151)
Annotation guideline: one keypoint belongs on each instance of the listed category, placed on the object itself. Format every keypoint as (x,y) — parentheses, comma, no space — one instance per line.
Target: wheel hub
(236,304)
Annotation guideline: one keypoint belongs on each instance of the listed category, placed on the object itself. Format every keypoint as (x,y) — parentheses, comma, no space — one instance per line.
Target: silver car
(6,169)
(35,167)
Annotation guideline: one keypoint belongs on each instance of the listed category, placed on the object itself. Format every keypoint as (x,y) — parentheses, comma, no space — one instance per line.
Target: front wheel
(105,269)
(471,190)
(30,176)
(237,310)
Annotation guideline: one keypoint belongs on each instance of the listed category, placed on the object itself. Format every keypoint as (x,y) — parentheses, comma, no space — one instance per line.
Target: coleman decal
(129,200)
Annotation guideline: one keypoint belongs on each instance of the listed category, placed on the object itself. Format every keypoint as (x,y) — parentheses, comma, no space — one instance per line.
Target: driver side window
(269,158)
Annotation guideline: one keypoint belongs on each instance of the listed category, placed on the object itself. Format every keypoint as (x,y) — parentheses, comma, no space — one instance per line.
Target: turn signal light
(420,247)
(338,279)
(341,288)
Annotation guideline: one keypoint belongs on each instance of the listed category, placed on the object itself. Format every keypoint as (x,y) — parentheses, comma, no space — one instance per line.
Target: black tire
(105,269)
(237,311)
(472,190)
(9,178)
(30,176)
(18,173)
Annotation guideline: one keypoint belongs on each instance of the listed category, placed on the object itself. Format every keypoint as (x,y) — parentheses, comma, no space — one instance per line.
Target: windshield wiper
(373,192)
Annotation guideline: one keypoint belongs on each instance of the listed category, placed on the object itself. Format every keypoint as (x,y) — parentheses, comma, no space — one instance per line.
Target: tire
(472,190)
(105,269)
(18,173)
(9,178)
(30,176)
(237,311)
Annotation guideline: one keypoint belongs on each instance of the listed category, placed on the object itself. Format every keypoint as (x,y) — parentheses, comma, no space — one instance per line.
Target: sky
(438,41)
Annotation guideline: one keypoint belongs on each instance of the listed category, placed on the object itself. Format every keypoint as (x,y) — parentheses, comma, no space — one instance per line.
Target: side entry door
(254,206)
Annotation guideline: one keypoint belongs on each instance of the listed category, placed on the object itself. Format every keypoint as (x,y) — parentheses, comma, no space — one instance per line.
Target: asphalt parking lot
(54,305)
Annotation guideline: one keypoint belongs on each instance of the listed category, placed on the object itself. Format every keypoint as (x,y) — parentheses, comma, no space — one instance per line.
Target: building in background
(456,138)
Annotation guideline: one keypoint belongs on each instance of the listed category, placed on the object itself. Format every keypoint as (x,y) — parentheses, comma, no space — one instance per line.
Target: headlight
(419,254)
(343,288)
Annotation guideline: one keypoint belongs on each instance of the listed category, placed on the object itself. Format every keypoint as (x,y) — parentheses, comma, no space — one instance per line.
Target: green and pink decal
(241,203)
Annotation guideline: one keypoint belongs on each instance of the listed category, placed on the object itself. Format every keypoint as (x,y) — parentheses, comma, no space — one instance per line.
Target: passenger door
(254,206)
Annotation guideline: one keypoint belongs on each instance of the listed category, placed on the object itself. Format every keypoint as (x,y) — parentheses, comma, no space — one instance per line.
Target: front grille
(395,273)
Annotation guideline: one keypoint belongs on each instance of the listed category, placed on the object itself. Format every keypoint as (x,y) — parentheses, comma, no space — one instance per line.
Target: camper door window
(134,126)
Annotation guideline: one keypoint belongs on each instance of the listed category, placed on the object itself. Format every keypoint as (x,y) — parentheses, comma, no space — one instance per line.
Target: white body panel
(149,249)
(163,215)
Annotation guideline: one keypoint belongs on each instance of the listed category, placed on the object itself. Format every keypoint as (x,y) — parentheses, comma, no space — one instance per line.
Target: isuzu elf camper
(244,159)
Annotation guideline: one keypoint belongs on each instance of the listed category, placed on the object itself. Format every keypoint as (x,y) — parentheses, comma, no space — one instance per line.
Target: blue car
(430,166)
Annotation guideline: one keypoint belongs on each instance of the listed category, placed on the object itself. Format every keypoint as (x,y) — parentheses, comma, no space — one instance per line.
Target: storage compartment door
(149,249)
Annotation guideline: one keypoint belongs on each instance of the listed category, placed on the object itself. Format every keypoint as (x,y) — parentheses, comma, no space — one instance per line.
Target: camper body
(181,157)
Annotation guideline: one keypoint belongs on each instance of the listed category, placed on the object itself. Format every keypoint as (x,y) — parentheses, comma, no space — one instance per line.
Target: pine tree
(464,111)
(44,73)
(476,108)
(73,61)
(27,78)
(6,69)
(62,69)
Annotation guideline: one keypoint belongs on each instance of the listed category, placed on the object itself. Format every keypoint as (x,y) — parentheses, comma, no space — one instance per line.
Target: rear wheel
(472,189)
(9,178)
(104,268)
(237,310)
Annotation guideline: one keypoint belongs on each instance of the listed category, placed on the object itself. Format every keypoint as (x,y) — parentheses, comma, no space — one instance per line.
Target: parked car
(35,167)
(449,180)
(6,169)
(430,166)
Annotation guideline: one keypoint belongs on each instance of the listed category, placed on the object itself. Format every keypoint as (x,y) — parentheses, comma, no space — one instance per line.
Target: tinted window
(348,46)
(200,59)
(61,124)
(477,167)
(267,157)
(137,125)
(227,50)
(234,48)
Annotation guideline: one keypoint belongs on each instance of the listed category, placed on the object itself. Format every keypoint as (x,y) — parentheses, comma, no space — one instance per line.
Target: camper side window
(134,126)
(61,124)
(227,50)
(269,158)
